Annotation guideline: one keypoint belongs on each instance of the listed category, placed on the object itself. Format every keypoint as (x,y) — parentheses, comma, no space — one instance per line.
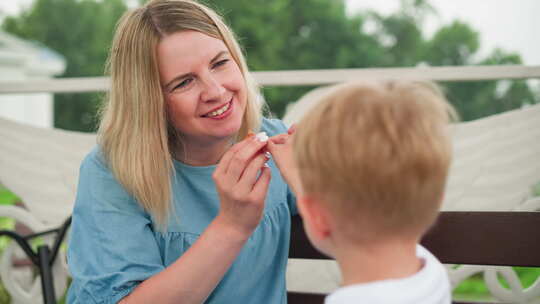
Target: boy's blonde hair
(377,154)
(136,135)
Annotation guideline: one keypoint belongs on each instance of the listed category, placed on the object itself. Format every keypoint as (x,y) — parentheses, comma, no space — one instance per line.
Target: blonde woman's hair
(135,135)
(378,156)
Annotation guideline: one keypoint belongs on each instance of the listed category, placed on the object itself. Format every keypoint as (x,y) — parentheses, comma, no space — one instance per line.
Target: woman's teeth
(219,111)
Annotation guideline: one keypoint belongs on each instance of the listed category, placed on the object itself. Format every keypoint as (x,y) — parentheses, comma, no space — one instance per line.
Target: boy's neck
(393,259)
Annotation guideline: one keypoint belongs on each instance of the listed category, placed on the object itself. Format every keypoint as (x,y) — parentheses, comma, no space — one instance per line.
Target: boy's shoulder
(430,284)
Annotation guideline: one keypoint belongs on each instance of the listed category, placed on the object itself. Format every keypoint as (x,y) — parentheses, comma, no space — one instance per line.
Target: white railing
(299,77)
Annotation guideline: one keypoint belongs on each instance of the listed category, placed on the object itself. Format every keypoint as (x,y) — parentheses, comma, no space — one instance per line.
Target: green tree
(81,31)
(452,45)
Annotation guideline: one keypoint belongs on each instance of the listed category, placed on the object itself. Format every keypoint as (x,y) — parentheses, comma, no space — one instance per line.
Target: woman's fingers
(277,144)
(279,139)
(261,185)
(274,145)
(241,159)
(249,176)
(223,164)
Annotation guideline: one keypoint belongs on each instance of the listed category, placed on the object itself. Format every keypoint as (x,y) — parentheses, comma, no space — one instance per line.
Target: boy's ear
(315,216)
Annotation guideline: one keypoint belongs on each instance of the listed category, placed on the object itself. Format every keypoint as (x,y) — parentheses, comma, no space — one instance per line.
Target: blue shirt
(113,244)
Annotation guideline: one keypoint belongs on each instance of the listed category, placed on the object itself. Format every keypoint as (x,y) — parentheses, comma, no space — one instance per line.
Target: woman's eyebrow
(191,74)
(177,78)
(218,55)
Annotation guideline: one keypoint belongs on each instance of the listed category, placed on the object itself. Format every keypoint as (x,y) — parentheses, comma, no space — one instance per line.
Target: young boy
(373,161)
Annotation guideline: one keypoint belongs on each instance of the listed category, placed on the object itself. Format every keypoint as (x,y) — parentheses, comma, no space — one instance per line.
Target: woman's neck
(200,154)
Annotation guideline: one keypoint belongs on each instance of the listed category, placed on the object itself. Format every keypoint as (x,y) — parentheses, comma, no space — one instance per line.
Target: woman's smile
(220,112)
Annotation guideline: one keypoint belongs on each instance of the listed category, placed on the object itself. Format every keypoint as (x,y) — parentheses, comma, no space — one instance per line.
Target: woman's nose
(212,89)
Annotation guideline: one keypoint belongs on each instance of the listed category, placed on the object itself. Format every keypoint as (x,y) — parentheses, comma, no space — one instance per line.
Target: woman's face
(203,86)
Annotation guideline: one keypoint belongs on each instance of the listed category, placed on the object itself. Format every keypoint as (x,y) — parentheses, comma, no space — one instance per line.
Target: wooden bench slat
(304,297)
(478,238)
(486,238)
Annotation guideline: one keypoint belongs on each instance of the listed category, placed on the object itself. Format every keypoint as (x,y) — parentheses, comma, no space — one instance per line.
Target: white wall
(33,109)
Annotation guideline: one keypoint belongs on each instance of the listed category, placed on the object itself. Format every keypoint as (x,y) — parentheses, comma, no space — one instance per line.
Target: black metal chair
(44,257)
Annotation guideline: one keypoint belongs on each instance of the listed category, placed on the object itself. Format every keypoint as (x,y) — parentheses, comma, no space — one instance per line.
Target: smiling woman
(172,205)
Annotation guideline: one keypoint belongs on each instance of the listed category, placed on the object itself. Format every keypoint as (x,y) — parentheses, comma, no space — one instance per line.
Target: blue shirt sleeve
(112,246)
(273,127)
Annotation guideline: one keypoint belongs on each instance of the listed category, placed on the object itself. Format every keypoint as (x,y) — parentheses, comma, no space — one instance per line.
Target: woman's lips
(220,112)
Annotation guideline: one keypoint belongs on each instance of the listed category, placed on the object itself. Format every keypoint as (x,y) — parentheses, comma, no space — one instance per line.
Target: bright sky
(510,24)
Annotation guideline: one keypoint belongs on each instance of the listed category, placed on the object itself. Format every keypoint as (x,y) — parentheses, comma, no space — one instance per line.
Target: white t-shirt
(430,285)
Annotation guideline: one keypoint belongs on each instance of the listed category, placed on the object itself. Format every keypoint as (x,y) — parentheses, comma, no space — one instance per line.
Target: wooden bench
(477,238)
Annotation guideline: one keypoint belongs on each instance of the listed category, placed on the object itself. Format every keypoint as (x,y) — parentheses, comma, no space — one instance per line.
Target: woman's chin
(227,134)
(229,130)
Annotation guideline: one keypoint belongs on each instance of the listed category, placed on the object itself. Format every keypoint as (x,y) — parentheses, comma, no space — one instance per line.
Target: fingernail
(267,154)
(266,165)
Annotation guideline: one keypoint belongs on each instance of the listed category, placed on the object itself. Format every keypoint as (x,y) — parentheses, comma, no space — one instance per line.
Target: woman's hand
(280,146)
(242,190)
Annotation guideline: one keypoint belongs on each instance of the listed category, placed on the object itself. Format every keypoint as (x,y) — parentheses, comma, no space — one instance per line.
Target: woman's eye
(220,63)
(183,84)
